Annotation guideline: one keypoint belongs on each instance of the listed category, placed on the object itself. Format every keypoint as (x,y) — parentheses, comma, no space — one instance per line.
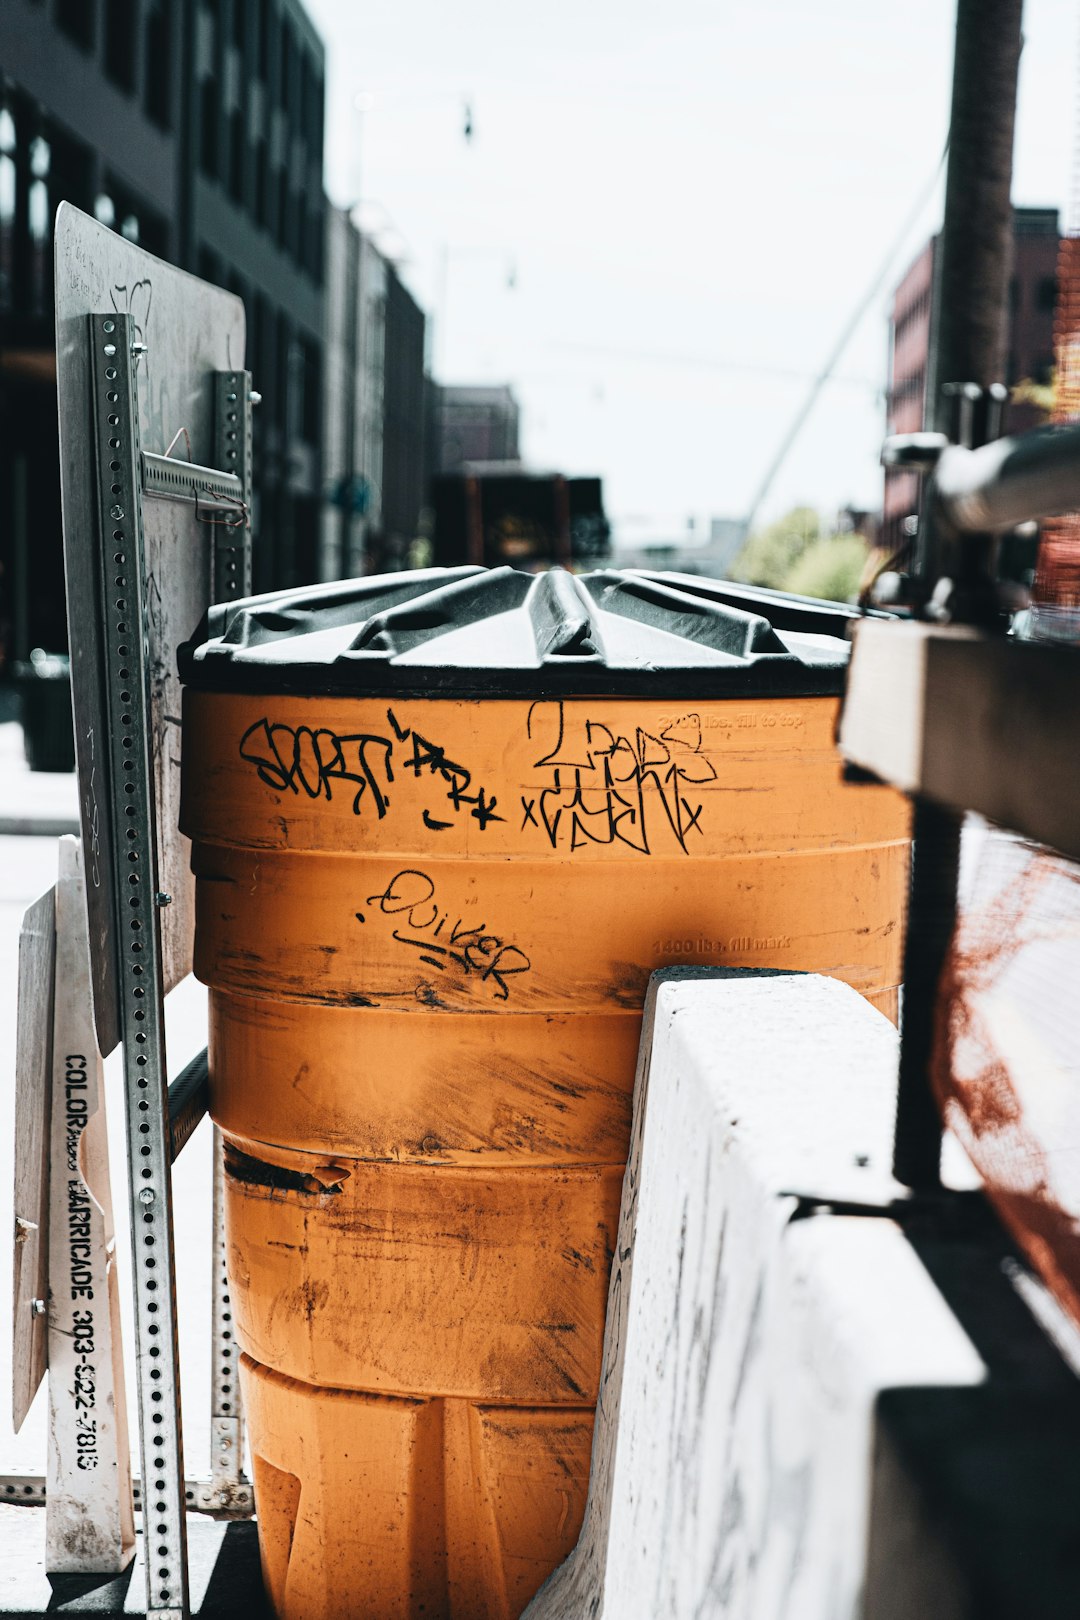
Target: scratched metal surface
(191,330)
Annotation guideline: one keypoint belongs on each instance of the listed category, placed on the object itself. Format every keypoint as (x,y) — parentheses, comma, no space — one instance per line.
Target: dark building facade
(375,422)
(1030,349)
(194,127)
(89,113)
(253,222)
(404,450)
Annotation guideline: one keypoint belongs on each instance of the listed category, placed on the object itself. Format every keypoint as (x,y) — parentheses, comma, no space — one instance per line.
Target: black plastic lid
(478,632)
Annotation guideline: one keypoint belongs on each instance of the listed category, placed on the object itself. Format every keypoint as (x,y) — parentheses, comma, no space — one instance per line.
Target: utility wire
(699,362)
(837,353)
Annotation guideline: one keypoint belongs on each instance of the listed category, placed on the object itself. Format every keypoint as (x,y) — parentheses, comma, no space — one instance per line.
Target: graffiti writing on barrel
(316,761)
(607,787)
(421,923)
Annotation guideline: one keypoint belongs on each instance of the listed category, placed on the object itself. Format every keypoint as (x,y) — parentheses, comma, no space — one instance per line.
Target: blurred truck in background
(497,514)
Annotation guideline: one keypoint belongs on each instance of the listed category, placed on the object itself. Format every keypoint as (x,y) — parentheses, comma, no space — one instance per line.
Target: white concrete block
(745,1348)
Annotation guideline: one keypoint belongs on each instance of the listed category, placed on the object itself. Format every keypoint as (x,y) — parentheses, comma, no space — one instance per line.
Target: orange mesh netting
(1006,1066)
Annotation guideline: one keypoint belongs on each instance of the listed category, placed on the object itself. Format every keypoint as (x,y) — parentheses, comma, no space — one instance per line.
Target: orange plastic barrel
(444,827)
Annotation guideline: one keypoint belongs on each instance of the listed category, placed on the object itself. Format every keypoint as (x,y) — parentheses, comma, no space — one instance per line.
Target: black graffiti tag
(410,897)
(428,757)
(312,759)
(602,787)
(305,760)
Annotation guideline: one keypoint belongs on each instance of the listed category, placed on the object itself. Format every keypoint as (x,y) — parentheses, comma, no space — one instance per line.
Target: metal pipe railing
(1006,482)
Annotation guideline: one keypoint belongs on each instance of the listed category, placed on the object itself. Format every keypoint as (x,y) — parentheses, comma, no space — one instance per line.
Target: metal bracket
(132,833)
(200,1495)
(172,480)
(233,400)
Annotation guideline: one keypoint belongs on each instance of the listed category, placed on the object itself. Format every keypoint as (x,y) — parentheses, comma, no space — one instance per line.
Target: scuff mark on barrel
(252,1172)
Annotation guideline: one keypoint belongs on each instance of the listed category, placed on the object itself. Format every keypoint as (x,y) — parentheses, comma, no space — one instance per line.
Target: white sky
(677,185)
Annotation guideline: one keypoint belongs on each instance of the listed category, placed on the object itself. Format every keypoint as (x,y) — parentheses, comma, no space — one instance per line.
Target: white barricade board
(90,1523)
(744,1352)
(190,331)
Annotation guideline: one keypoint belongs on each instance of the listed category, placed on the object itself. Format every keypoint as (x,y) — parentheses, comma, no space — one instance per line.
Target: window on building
(289,207)
(154,233)
(209,267)
(40,160)
(255,336)
(312,243)
(310,419)
(283,354)
(75,18)
(1046,293)
(266,28)
(121,42)
(305,230)
(128,213)
(236,155)
(283,208)
(261,183)
(71,169)
(239,20)
(315,130)
(39,225)
(157,96)
(300,232)
(8,187)
(262,360)
(208,127)
(288,72)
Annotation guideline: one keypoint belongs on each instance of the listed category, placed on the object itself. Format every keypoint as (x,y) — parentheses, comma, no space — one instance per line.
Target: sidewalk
(41,803)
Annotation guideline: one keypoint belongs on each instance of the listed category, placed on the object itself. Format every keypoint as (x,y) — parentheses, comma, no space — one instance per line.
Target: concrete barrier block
(749,1338)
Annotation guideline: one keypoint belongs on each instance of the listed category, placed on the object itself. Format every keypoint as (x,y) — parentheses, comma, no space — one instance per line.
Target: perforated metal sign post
(131,835)
(150,539)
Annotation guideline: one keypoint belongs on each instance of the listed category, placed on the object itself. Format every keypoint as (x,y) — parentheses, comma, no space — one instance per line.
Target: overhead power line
(837,352)
(707,363)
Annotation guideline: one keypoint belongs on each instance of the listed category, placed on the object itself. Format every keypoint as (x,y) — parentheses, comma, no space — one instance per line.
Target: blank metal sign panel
(190,330)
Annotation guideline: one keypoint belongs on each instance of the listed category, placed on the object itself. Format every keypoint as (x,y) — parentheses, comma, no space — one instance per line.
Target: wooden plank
(971,721)
(190,330)
(33,1072)
(89,1517)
